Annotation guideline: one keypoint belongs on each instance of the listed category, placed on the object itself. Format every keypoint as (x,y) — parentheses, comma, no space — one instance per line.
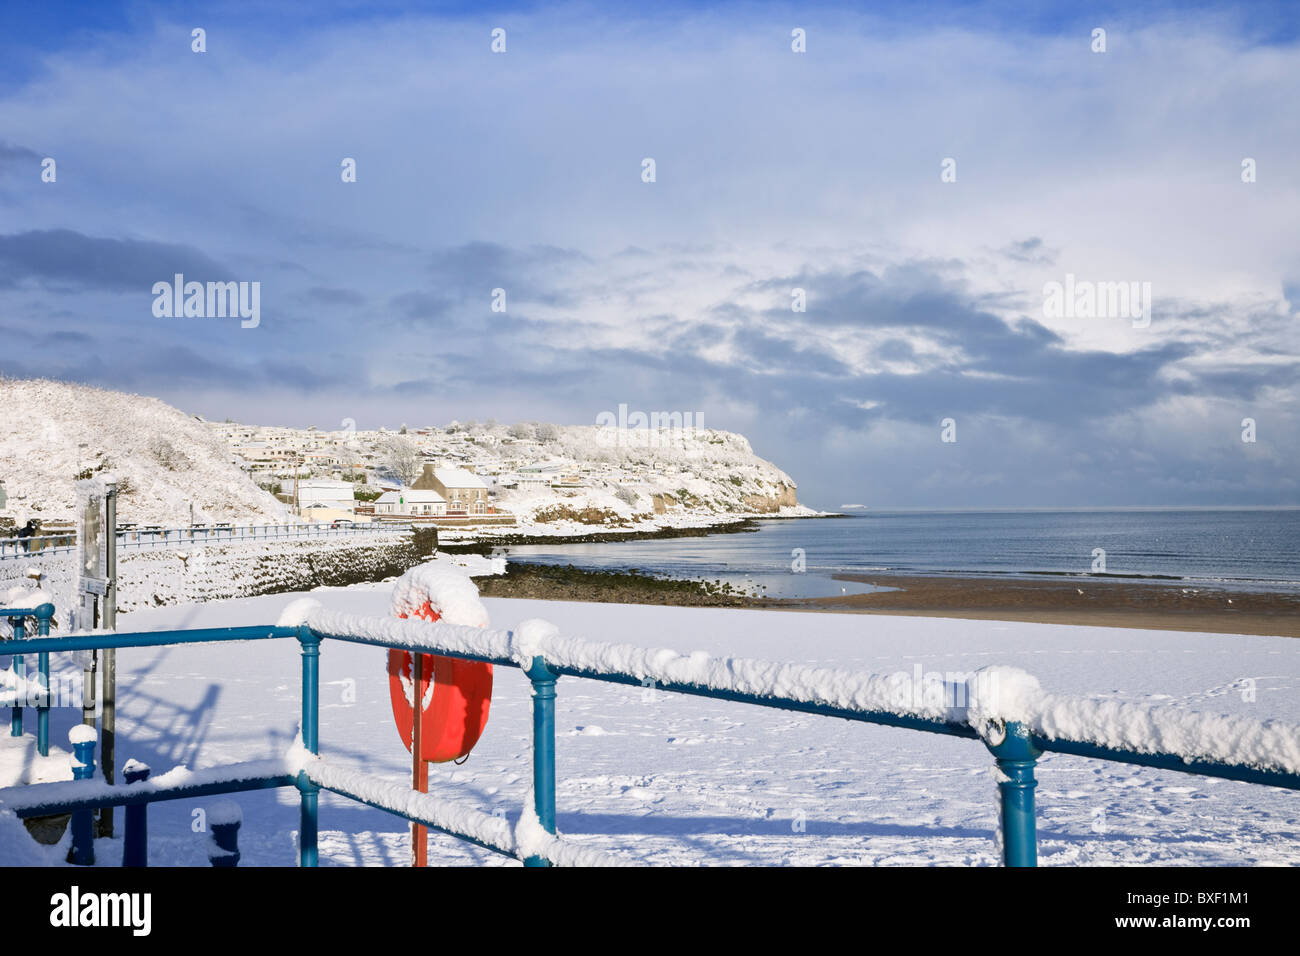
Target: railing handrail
(544,656)
(501,647)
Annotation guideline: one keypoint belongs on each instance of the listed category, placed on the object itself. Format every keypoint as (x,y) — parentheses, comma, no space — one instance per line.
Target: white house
(412,502)
(326,493)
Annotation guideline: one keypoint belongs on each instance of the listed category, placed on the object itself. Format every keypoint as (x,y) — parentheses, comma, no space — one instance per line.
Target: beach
(1105,602)
(1075,600)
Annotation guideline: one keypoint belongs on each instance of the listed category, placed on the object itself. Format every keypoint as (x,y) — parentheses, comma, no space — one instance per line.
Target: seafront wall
(158,577)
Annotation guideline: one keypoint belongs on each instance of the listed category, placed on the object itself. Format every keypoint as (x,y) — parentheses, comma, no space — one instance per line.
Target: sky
(774,170)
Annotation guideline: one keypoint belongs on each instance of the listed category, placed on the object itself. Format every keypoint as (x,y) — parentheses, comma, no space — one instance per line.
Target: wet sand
(1104,603)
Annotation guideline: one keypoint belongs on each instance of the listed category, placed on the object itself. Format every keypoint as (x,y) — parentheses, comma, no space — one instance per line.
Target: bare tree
(402,460)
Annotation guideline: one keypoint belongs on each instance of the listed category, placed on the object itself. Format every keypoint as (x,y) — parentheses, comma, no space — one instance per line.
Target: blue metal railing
(1014,746)
(42,614)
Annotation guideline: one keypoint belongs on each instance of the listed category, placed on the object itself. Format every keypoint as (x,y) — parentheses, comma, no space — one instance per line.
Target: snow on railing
(994,695)
(527,838)
(1003,707)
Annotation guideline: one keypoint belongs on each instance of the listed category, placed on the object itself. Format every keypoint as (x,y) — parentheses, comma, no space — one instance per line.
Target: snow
(176,777)
(528,838)
(866,794)
(163,459)
(458,478)
(20,763)
(1270,744)
(475,565)
(224,812)
(12,689)
(993,695)
(21,598)
(83,734)
(297,611)
(447,591)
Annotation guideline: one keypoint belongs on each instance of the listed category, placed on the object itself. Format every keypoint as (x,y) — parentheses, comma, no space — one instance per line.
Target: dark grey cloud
(14,157)
(474,269)
(322,295)
(1031,250)
(66,258)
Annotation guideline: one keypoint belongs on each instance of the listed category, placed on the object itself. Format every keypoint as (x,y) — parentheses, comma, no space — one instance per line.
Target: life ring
(459,695)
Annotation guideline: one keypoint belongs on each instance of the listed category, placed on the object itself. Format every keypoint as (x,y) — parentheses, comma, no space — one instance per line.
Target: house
(326,493)
(464,491)
(412,502)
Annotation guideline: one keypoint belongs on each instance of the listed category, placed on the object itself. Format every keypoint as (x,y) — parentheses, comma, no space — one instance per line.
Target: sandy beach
(1106,603)
(1071,600)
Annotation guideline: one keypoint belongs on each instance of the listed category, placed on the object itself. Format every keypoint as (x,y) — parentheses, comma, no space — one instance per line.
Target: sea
(799,557)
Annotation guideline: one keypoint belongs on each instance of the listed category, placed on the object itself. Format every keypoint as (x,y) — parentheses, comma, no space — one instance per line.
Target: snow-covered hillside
(51,433)
(555,478)
(684,477)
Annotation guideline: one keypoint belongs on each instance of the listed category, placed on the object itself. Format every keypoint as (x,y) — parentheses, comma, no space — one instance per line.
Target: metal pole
(1016,755)
(224,849)
(20,683)
(543,749)
(83,824)
(419,768)
(307,852)
(135,842)
(109,716)
(44,614)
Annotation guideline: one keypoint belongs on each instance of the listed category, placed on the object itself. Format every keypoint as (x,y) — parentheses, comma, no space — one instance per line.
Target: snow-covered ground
(669,779)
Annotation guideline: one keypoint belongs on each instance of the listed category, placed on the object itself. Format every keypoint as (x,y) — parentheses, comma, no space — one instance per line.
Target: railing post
(1016,754)
(44,614)
(82,739)
(20,682)
(135,841)
(307,854)
(543,749)
(224,818)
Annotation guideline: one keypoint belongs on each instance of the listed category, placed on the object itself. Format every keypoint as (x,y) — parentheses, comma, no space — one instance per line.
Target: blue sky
(774,171)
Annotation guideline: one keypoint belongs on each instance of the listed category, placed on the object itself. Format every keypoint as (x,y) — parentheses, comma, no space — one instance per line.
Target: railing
(18,617)
(43,545)
(544,657)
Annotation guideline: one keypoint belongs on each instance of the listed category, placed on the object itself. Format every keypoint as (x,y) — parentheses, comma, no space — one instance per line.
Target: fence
(544,657)
(18,618)
(42,545)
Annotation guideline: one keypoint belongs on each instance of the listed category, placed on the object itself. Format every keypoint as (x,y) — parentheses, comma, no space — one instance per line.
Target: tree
(547,433)
(521,430)
(402,460)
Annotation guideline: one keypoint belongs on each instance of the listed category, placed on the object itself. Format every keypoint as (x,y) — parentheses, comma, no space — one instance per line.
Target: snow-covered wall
(165,576)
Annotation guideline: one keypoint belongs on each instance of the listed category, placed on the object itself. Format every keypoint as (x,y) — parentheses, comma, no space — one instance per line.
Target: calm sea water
(1255,549)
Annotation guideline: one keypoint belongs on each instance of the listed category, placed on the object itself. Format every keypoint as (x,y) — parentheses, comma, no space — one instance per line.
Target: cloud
(70,259)
(776,170)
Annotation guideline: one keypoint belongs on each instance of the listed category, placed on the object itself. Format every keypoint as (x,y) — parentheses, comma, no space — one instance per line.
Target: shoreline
(1099,602)
(486,545)
(1081,601)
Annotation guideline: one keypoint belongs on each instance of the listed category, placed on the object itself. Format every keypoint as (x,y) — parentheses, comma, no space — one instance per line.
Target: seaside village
(456,475)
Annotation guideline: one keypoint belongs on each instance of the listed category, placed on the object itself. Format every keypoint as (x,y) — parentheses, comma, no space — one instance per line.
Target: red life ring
(456,704)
